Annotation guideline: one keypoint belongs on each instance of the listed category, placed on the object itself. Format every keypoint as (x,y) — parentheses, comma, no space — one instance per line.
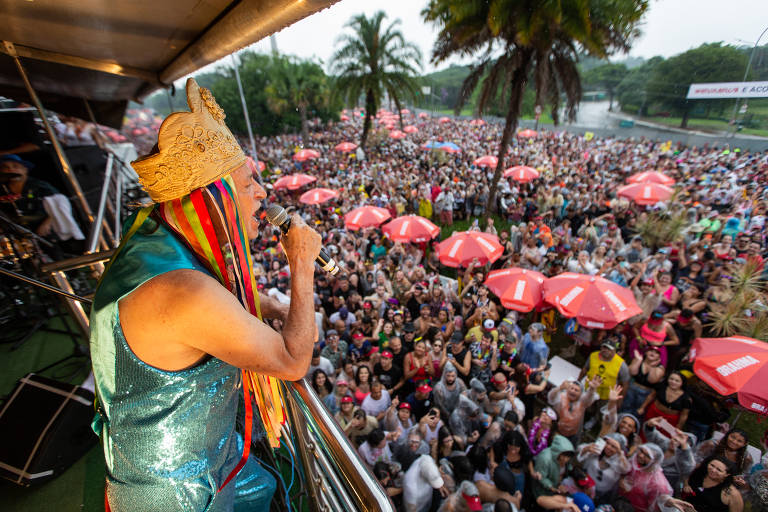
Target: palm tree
(296,84)
(374,61)
(520,39)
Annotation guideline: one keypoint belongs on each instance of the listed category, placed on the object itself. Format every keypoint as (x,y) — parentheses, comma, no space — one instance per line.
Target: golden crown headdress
(194,149)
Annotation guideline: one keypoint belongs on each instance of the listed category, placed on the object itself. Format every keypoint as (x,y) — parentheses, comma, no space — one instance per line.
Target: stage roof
(110,51)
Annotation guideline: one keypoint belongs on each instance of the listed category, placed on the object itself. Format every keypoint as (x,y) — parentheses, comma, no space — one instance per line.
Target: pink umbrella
(305,154)
(405,111)
(521,173)
(444,120)
(486,161)
(365,216)
(527,133)
(518,288)
(596,302)
(397,134)
(645,193)
(345,147)
(651,177)
(423,115)
(318,196)
(293,181)
(410,129)
(410,228)
(477,122)
(344,118)
(464,246)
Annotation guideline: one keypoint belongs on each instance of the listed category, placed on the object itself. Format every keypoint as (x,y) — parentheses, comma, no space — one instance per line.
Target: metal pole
(66,168)
(746,72)
(118,206)
(44,286)
(245,106)
(93,238)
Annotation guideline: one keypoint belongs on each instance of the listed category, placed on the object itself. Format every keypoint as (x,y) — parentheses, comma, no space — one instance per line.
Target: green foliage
(710,62)
(631,90)
(522,40)
(274,87)
(374,60)
(607,76)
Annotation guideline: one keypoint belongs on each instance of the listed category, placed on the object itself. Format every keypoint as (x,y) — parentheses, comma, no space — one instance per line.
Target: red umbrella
(477,122)
(651,177)
(521,173)
(464,246)
(344,118)
(305,154)
(397,134)
(423,115)
(405,111)
(596,302)
(345,147)
(410,228)
(293,181)
(365,216)
(410,129)
(527,133)
(645,193)
(444,120)
(318,196)
(734,365)
(487,161)
(518,288)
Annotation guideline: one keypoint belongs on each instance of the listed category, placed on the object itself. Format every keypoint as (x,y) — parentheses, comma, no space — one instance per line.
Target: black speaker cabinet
(45,427)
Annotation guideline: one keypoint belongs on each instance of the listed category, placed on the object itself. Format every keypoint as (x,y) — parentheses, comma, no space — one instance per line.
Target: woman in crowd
(669,400)
(646,371)
(324,389)
(710,489)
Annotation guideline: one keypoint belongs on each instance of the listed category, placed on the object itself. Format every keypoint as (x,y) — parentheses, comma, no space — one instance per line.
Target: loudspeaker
(45,427)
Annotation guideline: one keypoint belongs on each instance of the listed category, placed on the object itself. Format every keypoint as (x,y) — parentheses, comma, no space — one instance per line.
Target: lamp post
(746,72)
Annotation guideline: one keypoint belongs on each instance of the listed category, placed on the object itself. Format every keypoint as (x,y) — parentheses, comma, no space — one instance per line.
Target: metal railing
(336,478)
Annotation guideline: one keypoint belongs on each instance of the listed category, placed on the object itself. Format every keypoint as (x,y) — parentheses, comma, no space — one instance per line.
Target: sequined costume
(169,437)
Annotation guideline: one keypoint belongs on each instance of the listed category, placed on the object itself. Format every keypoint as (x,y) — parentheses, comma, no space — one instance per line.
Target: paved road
(594,114)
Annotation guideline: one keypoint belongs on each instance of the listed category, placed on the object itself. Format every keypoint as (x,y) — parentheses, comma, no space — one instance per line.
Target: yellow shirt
(609,371)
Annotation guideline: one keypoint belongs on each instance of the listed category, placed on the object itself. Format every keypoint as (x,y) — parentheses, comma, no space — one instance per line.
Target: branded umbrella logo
(736,365)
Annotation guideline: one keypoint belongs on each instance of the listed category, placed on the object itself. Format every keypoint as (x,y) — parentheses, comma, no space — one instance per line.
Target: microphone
(278,217)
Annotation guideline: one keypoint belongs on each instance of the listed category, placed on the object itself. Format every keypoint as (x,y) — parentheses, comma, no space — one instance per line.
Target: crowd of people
(446,394)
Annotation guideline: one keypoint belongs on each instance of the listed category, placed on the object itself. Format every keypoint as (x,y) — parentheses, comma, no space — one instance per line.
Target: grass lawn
(705,125)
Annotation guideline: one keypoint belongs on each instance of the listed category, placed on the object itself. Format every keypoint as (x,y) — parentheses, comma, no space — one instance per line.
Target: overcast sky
(670,26)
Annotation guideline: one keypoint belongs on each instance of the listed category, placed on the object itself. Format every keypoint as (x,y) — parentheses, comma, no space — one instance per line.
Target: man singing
(175,318)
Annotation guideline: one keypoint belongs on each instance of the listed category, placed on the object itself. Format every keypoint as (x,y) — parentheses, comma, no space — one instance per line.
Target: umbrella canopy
(410,228)
(405,111)
(444,120)
(521,173)
(397,134)
(365,216)
(527,133)
(594,301)
(293,181)
(410,129)
(423,115)
(651,177)
(318,196)
(449,147)
(645,193)
(518,288)
(344,118)
(477,122)
(486,161)
(463,246)
(345,147)
(305,154)
(734,365)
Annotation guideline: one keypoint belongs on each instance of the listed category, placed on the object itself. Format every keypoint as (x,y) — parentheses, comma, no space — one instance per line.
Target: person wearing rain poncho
(679,450)
(645,486)
(448,389)
(605,462)
(551,466)
(468,422)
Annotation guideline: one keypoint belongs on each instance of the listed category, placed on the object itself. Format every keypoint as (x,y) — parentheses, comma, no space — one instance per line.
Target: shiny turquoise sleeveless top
(169,437)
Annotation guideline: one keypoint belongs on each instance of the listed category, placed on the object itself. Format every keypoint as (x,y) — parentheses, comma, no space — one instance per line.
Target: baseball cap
(331,332)
(18,159)
(342,382)
(424,388)
(488,324)
(346,400)
(404,405)
(343,312)
(387,354)
(408,327)
(473,502)
(583,501)
(367,304)
(358,335)
(610,343)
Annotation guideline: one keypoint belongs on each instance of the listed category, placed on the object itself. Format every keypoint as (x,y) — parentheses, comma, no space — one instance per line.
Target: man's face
(249,195)
(574,391)
(333,341)
(395,344)
(11,167)
(450,378)
(386,363)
